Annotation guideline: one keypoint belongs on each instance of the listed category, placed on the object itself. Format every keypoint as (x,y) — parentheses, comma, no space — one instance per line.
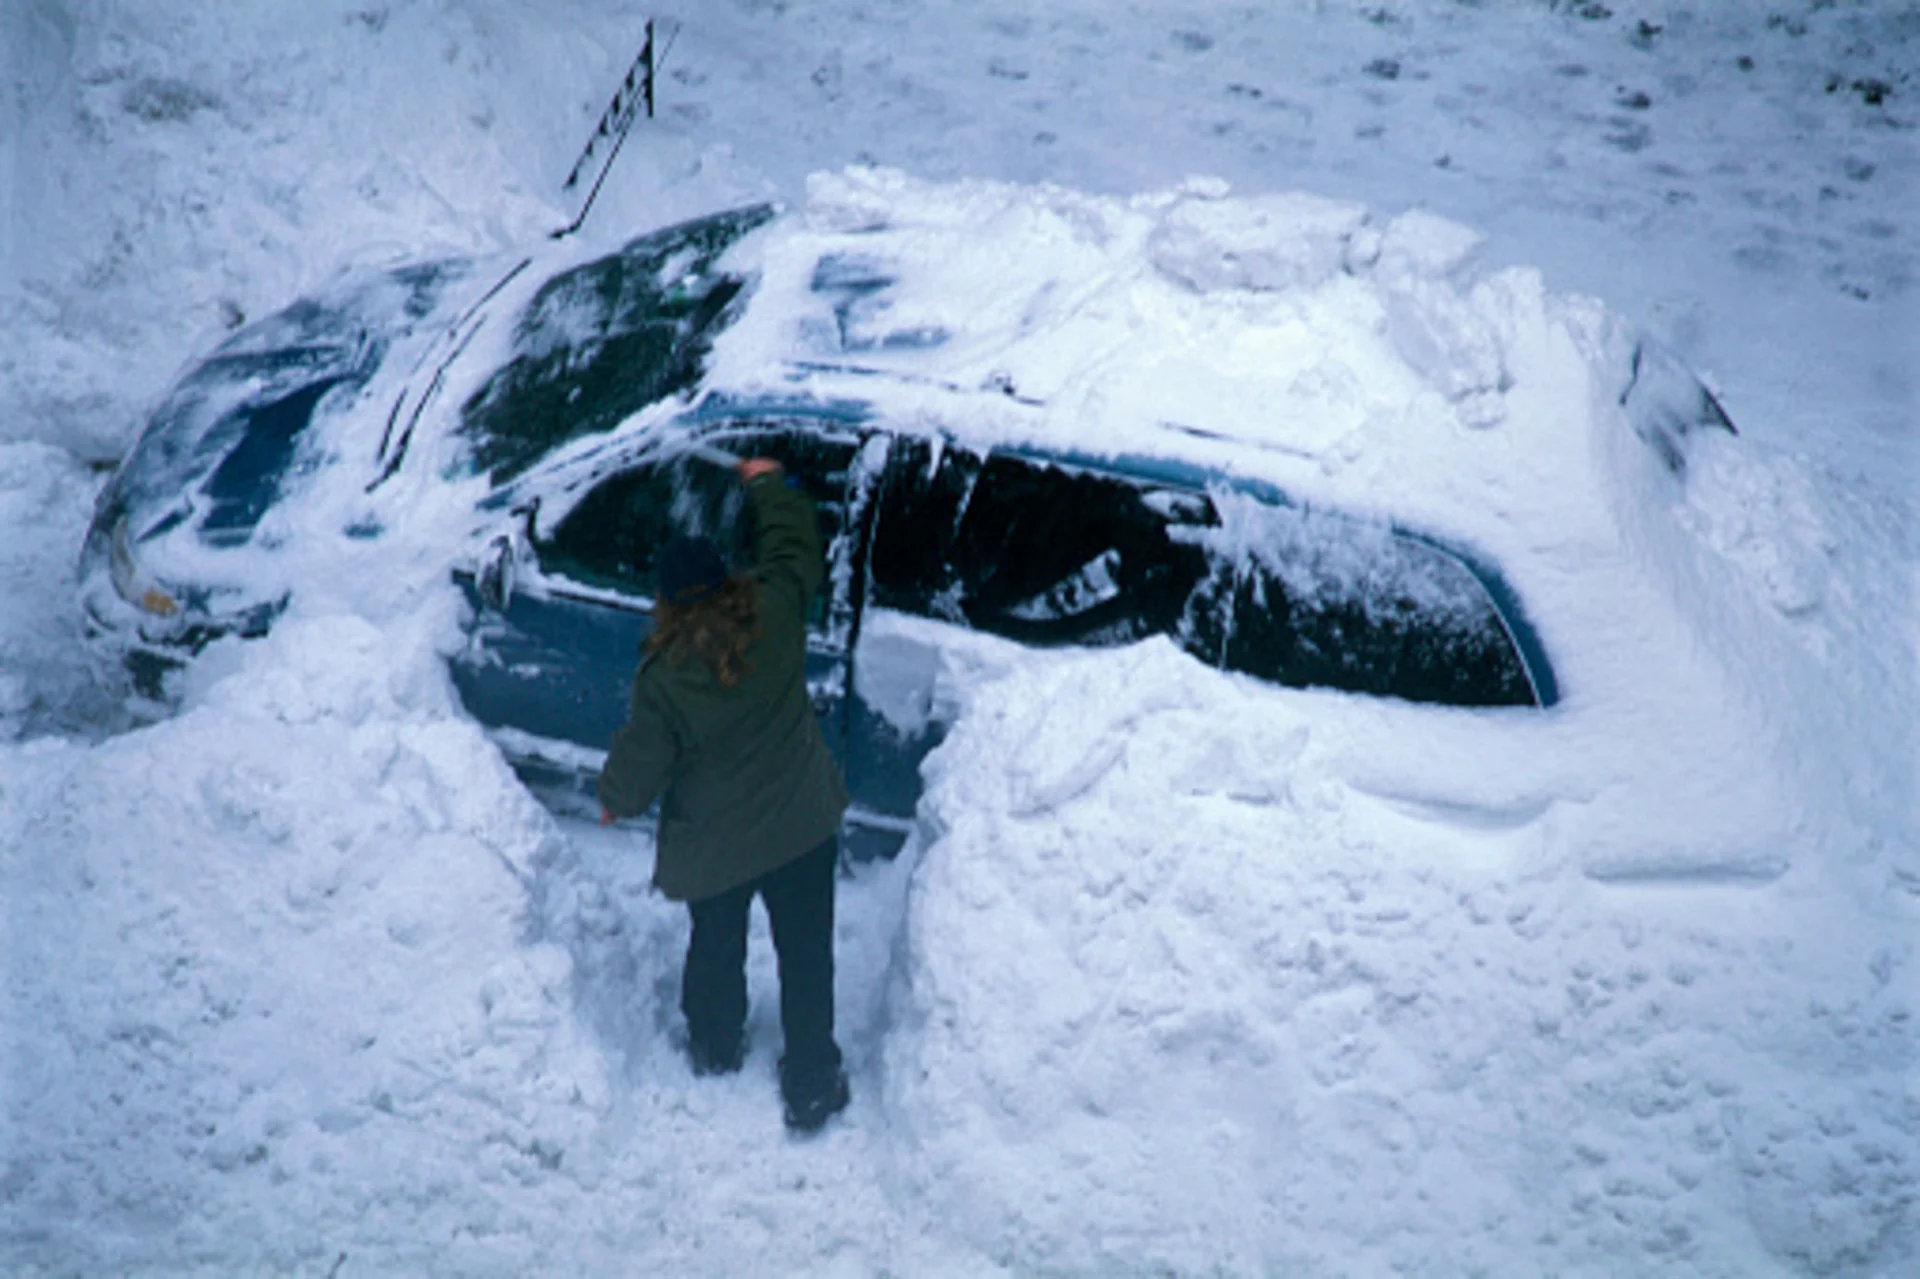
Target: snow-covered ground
(1180,973)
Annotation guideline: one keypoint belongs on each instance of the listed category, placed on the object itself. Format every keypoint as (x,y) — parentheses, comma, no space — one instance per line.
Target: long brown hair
(717,629)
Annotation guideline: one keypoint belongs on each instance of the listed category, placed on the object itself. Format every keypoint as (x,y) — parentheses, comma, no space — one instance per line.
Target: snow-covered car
(1268,429)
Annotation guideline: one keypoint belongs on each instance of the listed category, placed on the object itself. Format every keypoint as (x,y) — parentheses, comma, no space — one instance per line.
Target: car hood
(183,529)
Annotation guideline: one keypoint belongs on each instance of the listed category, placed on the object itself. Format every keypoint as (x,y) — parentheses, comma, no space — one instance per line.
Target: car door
(550,666)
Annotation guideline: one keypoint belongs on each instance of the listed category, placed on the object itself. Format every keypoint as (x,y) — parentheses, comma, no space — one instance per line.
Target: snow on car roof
(1356,360)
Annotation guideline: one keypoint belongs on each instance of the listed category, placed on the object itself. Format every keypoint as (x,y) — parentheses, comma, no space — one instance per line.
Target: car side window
(611,536)
(1341,603)
(1042,553)
(923,492)
(1051,554)
(609,539)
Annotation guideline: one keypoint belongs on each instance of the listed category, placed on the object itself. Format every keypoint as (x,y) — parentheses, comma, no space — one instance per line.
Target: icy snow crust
(1179,973)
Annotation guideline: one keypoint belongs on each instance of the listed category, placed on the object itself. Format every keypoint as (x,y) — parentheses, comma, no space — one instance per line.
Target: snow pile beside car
(1182,989)
(282,936)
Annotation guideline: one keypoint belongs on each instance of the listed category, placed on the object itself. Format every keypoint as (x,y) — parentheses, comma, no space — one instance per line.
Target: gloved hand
(752,468)
(606,818)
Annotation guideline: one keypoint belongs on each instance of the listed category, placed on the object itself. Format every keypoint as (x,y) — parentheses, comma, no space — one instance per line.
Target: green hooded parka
(744,778)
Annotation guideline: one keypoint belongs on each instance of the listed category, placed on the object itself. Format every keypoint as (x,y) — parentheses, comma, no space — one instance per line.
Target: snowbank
(1181,972)
(1183,991)
(285,940)
(1202,973)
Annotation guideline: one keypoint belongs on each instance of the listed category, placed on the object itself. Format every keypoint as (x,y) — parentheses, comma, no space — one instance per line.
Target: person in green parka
(721,731)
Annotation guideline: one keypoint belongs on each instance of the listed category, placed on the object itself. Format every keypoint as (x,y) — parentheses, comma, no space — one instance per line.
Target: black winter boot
(709,1059)
(812,1100)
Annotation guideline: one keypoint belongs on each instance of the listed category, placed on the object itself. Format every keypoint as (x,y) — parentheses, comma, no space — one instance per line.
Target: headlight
(158,602)
(126,579)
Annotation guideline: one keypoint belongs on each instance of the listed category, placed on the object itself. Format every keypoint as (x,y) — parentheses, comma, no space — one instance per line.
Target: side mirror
(494,580)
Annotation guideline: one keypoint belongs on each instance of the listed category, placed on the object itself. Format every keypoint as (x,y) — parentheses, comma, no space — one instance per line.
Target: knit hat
(690,570)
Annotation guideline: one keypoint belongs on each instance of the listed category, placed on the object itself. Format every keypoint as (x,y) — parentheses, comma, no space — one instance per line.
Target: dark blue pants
(713,990)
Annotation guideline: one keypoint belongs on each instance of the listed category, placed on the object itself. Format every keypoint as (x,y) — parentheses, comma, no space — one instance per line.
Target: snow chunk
(1279,242)
(1418,243)
(1449,341)
(1450,334)
(1758,512)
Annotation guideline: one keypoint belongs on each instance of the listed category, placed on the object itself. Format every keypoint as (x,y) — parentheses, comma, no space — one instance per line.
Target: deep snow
(1181,973)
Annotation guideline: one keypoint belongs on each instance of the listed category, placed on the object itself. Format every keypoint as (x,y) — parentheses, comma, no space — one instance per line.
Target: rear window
(1666,405)
(604,340)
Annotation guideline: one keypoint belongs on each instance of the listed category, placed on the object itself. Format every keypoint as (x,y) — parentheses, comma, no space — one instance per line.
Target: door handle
(494,580)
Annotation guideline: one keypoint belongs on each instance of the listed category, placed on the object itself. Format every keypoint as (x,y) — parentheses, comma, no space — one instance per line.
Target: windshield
(604,340)
(220,449)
